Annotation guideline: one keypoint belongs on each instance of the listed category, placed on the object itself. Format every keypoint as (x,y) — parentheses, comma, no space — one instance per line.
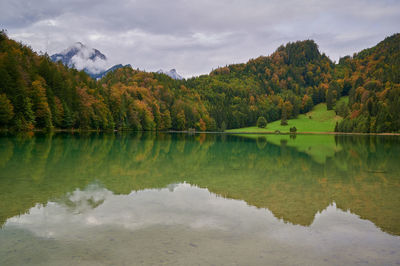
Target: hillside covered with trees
(280,86)
(36,93)
(372,79)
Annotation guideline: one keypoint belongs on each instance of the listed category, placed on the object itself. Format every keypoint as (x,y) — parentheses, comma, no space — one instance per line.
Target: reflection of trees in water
(278,177)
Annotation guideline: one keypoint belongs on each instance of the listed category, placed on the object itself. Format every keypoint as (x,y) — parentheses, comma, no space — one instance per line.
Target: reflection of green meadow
(319,147)
(293,177)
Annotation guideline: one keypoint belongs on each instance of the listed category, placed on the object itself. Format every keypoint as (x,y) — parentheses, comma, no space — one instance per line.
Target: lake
(203,199)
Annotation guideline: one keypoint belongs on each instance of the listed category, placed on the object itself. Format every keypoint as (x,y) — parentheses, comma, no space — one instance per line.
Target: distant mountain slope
(81,57)
(152,101)
(287,83)
(93,62)
(102,74)
(372,79)
(38,93)
(172,73)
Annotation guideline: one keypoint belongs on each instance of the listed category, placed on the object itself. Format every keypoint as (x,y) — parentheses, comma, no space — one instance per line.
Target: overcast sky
(195,36)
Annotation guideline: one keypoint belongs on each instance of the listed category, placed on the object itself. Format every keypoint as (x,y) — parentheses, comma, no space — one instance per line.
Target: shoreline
(199,132)
(312,133)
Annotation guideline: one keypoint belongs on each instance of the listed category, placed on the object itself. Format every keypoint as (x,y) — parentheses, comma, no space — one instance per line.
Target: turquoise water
(140,199)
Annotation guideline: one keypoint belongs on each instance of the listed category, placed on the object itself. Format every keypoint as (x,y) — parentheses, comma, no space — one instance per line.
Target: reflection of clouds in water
(196,209)
(83,201)
(179,204)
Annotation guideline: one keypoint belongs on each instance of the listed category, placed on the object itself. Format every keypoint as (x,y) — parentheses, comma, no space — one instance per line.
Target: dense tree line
(288,82)
(372,78)
(151,101)
(37,93)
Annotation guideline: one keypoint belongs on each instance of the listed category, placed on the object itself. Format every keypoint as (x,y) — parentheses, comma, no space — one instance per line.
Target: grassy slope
(321,120)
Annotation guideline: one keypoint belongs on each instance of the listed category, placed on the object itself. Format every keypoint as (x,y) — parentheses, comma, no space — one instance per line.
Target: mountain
(93,62)
(372,79)
(115,67)
(81,57)
(172,73)
(287,83)
(38,93)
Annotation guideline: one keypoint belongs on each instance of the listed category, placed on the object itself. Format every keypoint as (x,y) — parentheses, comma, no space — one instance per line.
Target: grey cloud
(196,36)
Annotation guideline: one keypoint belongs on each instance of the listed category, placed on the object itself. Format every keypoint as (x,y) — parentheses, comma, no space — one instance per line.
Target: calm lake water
(133,199)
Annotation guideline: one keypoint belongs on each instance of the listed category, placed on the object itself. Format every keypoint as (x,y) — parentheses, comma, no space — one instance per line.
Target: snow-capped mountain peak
(82,57)
(172,73)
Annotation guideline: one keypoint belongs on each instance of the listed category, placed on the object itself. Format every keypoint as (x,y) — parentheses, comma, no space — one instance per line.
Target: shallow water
(132,199)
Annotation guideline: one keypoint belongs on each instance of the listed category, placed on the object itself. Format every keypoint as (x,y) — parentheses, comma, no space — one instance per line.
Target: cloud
(86,58)
(196,36)
(93,66)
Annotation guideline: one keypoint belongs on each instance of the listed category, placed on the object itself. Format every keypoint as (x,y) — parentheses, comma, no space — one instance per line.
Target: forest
(36,93)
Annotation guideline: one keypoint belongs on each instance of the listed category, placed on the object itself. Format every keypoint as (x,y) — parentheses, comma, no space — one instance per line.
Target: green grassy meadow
(317,120)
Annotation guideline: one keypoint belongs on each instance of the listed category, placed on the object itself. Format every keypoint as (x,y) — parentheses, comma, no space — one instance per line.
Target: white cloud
(196,36)
(82,60)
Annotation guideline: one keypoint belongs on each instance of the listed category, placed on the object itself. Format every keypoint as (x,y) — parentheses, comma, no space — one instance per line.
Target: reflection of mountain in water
(80,201)
(292,184)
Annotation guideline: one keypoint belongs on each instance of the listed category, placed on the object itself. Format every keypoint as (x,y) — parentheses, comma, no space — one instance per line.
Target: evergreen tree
(329,99)
(6,110)
(261,122)
(166,117)
(284,117)
(223,126)
(181,120)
